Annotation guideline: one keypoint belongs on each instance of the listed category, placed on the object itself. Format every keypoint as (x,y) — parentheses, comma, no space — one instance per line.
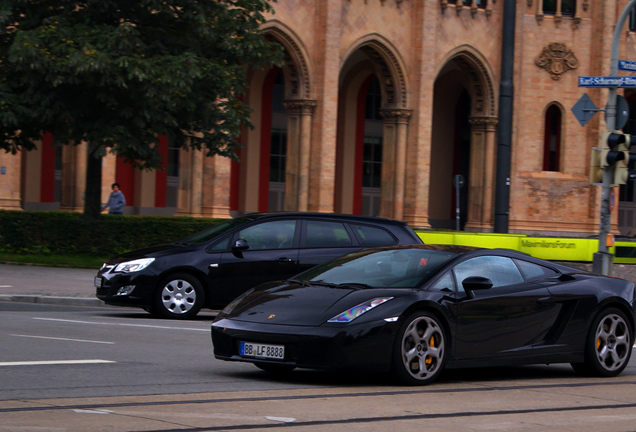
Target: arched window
(481,4)
(552,139)
(557,10)
(559,7)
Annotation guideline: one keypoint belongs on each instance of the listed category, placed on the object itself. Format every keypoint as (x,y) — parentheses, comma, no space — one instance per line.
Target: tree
(117,74)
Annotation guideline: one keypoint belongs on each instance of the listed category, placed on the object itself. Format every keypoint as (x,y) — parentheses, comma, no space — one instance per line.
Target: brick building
(379,105)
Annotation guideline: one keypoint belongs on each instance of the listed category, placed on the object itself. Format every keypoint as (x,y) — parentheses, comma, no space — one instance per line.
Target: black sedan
(211,268)
(415,310)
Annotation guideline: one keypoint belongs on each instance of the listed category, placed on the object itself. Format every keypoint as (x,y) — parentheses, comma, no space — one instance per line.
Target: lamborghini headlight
(354,312)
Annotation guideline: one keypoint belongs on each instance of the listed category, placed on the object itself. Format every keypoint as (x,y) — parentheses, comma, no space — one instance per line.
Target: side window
(221,246)
(326,234)
(270,235)
(373,236)
(532,271)
(446,283)
(501,271)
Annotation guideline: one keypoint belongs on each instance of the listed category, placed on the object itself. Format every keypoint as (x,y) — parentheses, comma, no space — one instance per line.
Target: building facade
(379,106)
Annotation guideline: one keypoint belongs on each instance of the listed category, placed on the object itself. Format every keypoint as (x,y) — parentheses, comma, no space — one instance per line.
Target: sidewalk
(70,286)
(48,285)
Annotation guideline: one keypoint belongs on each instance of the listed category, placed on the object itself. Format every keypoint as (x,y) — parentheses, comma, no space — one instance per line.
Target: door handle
(544,300)
(284,260)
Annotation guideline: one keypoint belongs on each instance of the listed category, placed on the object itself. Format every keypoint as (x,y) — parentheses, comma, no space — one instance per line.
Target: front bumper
(110,284)
(363,347)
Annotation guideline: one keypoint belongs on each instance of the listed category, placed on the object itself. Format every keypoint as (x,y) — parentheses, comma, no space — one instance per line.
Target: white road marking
(281,419)
(162,414)
(6,286)
(83,411)
(63,339)
(54,362)
(123,325)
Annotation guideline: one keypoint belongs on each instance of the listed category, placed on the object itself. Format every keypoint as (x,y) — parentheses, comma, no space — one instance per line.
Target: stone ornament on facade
(487,123)
(557,59)
(399,115)
(398,2)
(303,106)
(459,6)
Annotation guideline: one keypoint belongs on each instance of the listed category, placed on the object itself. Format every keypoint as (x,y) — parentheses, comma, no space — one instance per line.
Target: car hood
(150,252)
(299,305)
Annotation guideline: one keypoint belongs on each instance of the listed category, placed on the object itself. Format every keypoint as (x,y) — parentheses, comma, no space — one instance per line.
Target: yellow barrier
(624,252)
(548,248)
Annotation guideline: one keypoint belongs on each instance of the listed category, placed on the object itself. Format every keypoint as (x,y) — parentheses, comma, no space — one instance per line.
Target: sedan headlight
(354,312)
(133,266)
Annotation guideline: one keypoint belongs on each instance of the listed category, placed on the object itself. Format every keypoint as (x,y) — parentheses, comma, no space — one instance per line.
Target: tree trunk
(93,193)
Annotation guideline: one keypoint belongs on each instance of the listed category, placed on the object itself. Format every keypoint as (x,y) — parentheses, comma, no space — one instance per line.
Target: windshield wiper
(322,283)
(356,285)
(302,283)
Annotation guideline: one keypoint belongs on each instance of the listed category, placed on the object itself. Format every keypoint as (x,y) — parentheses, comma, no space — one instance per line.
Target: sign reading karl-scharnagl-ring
(607,81)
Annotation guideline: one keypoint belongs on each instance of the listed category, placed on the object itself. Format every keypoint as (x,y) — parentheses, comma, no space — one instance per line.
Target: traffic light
(614,144)
(613,153)
(596,167)
(622,173)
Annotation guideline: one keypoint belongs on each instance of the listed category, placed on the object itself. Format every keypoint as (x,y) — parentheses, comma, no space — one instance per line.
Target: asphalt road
(70,368)
(79,369)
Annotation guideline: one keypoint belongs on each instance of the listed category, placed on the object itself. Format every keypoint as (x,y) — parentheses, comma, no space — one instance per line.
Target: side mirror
(240,245)
(473,283)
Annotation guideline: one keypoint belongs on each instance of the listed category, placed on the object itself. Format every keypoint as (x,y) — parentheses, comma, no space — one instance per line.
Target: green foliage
(118,73)
(62,233)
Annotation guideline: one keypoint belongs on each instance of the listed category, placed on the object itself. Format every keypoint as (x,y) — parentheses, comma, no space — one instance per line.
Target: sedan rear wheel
(179,296)
(608,346)
(420,349)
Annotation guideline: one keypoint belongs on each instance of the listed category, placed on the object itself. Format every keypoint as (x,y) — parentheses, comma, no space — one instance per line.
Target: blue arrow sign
(607,81)
(627,65)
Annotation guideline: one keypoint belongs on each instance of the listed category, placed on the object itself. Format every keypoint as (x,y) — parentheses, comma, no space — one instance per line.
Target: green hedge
(66,233)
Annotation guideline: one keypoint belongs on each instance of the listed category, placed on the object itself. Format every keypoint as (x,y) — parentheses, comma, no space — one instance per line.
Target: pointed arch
(372,56)
(389,67)
(297,69)
(480,75)
(250,183)
(465,115)
(552,136)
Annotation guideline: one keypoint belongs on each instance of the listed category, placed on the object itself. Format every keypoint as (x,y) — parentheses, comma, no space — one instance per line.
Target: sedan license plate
(249,349)
(98,282)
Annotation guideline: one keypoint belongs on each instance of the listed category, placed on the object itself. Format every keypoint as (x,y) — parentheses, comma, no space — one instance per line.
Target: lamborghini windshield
(406,268)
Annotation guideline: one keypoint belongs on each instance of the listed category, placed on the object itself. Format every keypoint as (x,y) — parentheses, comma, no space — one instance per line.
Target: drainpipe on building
(504,129)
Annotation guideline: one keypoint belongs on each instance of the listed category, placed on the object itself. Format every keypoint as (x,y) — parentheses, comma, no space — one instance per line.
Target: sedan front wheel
(179,296)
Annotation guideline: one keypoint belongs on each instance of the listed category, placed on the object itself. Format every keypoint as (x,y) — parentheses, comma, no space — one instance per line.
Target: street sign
(607,81)
(584,109)
(627,65)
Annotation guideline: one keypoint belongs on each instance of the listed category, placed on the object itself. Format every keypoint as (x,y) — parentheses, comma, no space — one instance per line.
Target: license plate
(98,282)
(249,349)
